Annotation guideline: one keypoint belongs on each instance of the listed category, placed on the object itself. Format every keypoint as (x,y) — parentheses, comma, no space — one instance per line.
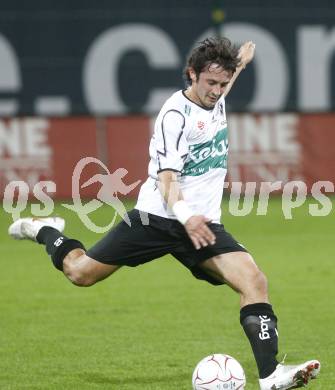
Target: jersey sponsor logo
(208,155)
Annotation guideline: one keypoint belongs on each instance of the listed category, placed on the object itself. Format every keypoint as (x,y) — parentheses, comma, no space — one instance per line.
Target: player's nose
(217,90)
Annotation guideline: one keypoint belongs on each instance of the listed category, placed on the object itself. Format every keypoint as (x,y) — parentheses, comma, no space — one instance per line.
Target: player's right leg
(68,255)
(259,322)
(290,377)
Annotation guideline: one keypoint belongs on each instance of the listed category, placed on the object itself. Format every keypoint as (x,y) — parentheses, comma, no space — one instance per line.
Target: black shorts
(150,237)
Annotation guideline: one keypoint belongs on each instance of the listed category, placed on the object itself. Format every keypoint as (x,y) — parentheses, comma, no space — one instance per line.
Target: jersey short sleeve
(171,143)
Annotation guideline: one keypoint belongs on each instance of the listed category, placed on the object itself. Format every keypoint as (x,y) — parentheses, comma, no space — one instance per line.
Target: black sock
(57,245)
(260,325)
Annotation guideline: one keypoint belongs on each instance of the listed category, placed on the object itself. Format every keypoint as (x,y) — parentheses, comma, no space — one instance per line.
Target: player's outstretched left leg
(47,231)
(68,255)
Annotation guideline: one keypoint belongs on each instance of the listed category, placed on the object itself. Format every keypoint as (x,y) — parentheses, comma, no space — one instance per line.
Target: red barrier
(128,147)
(278,147)
(317,140)
(71,140)
(264,148)
(35,149)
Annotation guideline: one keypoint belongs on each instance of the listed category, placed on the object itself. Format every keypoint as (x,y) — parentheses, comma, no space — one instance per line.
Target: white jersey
(193,141)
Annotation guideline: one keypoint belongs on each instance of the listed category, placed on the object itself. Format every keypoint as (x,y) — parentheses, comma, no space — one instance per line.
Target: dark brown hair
(212,50)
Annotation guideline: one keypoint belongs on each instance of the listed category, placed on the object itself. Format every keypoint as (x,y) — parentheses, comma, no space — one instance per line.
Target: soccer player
(179,208)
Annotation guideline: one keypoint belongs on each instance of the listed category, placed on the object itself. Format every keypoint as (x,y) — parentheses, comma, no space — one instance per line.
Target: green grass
(146,328)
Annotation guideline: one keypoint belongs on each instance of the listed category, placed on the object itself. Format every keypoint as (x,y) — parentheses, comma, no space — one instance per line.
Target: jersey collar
(204,108)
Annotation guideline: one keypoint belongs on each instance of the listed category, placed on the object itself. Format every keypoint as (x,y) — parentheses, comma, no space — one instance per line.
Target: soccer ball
(218,372)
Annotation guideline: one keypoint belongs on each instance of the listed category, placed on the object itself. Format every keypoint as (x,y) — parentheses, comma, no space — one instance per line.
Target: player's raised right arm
(246,54)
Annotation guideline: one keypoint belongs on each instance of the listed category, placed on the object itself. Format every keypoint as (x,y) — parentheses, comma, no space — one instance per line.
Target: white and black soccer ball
(218,372)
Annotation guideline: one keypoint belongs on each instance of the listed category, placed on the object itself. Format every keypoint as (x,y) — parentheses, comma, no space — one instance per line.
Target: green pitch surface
(147,327)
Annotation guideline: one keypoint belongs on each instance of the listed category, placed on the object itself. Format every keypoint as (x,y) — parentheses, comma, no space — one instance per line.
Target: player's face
(211,84)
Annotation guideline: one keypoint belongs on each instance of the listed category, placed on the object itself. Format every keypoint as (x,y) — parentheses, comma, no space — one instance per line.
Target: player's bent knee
(257,289)
(79,277)
(256,278)
(260,281)
(255,283)
(81,280)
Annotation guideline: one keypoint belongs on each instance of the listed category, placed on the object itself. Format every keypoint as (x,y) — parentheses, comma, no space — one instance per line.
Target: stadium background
(74,73)
(84,78)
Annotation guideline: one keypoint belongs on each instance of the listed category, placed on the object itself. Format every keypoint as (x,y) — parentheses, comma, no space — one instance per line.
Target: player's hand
(246,53)
(199,232)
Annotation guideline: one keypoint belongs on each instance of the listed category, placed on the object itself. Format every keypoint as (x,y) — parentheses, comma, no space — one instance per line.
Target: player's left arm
(246,54)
